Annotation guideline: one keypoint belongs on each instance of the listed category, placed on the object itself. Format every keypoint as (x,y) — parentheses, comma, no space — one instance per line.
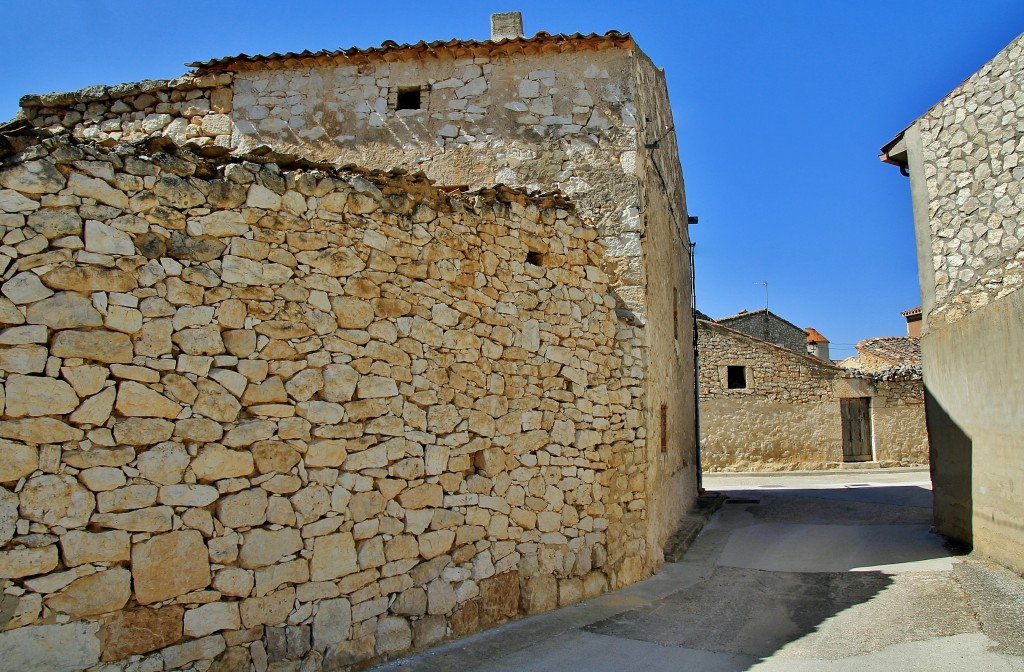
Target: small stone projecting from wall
(253,413)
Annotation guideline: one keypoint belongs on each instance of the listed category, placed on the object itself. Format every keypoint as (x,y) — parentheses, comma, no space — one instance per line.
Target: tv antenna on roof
(764,283)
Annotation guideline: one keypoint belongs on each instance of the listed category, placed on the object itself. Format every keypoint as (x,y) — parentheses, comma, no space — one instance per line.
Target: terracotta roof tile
(814,337)
(900,350)
(541,39)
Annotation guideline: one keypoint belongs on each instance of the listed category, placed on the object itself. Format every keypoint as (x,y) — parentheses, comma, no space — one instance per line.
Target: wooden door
(856,429)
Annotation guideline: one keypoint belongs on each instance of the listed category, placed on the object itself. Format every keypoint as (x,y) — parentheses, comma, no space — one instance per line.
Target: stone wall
(253,414)
(789,414)
(588,116)
(973,169)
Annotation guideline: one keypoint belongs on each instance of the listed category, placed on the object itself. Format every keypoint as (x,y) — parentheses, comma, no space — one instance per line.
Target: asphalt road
(819,572)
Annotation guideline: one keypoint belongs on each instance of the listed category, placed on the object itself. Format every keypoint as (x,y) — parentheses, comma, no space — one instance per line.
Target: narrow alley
(801,572)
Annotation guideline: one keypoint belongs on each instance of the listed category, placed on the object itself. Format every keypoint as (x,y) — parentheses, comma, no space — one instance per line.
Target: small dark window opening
(535,258)
(408,98)
(664,428)
(736,377)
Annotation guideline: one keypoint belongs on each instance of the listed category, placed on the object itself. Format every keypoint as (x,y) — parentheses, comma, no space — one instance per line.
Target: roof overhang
(895,151)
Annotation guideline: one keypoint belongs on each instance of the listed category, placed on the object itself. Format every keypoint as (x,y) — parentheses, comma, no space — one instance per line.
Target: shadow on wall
(951,455)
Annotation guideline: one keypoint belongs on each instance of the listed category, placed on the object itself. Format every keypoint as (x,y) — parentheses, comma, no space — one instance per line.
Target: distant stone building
(767,407)
(964,159)
(262,406)
(767,326)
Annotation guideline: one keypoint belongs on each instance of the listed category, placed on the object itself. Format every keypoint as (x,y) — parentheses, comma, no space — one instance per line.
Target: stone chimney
(506,26)
(817,345)
(913,321)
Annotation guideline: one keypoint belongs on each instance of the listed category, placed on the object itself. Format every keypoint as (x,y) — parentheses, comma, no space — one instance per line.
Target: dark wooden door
(856,429)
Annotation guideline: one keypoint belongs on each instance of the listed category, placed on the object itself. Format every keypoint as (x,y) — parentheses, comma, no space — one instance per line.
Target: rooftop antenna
(764,283)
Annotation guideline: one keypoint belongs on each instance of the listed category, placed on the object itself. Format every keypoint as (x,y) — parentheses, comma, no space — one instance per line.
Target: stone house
(882,352)
(767,326)
(261,404)
(765,407)
(963,158)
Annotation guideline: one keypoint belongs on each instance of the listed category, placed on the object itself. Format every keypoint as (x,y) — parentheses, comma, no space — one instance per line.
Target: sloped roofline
(747,313)
(758,341)
(388,48)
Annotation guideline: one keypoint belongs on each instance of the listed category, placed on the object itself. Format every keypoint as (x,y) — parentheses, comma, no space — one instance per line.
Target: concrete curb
(693,522)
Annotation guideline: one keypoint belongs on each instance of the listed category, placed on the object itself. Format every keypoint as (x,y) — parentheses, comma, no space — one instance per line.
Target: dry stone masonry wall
(973,172)
(254,415)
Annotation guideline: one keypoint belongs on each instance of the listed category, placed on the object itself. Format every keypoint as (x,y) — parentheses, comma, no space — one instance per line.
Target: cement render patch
(835,548)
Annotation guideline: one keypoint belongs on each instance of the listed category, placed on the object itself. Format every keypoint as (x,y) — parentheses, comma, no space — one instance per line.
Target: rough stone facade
(768,326)
(788,414)
(966,162)
(586,115)
(261,415)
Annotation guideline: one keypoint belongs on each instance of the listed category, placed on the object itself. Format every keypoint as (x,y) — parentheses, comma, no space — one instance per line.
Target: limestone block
(68,647)
(95,594)
(122,318)
(351,313)
(272,609)
(393,635)
(23,359)
(12,201)
(241,271)
(265,547)
(164,464)
(89,187)
(96,409)
(211,618)
(25,288)
(321,412)
(79,547)
(433,544)
(128,498)
(215,402)
(56,499)
(198,430)
(153,519)
(199,340)
(326,453)
(35,396)
(234,581)
(103,346)
(169,565)
(215,462)
(270,578)
(142,431)
(422,496)
(90,279)
(103,239)
(139,631)
(340,382)
(135,399)
(33,177)
(207,648)
(334,556)
(276,457)
(20,562)
(247,508)
(188,494)
(101,479)
(64,310)
(332,624)
(239,342)
(17,460)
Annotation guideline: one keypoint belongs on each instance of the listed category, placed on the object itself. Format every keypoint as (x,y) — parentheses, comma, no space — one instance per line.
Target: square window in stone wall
(736,377)
(409,98)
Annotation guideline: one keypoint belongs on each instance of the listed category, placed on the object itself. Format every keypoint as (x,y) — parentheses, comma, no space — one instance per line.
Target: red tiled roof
(814,337)
(911,312)
(900,350)
(541,39)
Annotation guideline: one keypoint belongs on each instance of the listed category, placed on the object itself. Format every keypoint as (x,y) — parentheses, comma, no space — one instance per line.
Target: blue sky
(780,109)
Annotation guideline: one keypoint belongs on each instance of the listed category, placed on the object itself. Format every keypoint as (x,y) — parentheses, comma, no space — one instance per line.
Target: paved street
(796,573)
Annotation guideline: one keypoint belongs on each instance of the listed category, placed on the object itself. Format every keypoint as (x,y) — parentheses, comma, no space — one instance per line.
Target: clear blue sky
(780,109)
